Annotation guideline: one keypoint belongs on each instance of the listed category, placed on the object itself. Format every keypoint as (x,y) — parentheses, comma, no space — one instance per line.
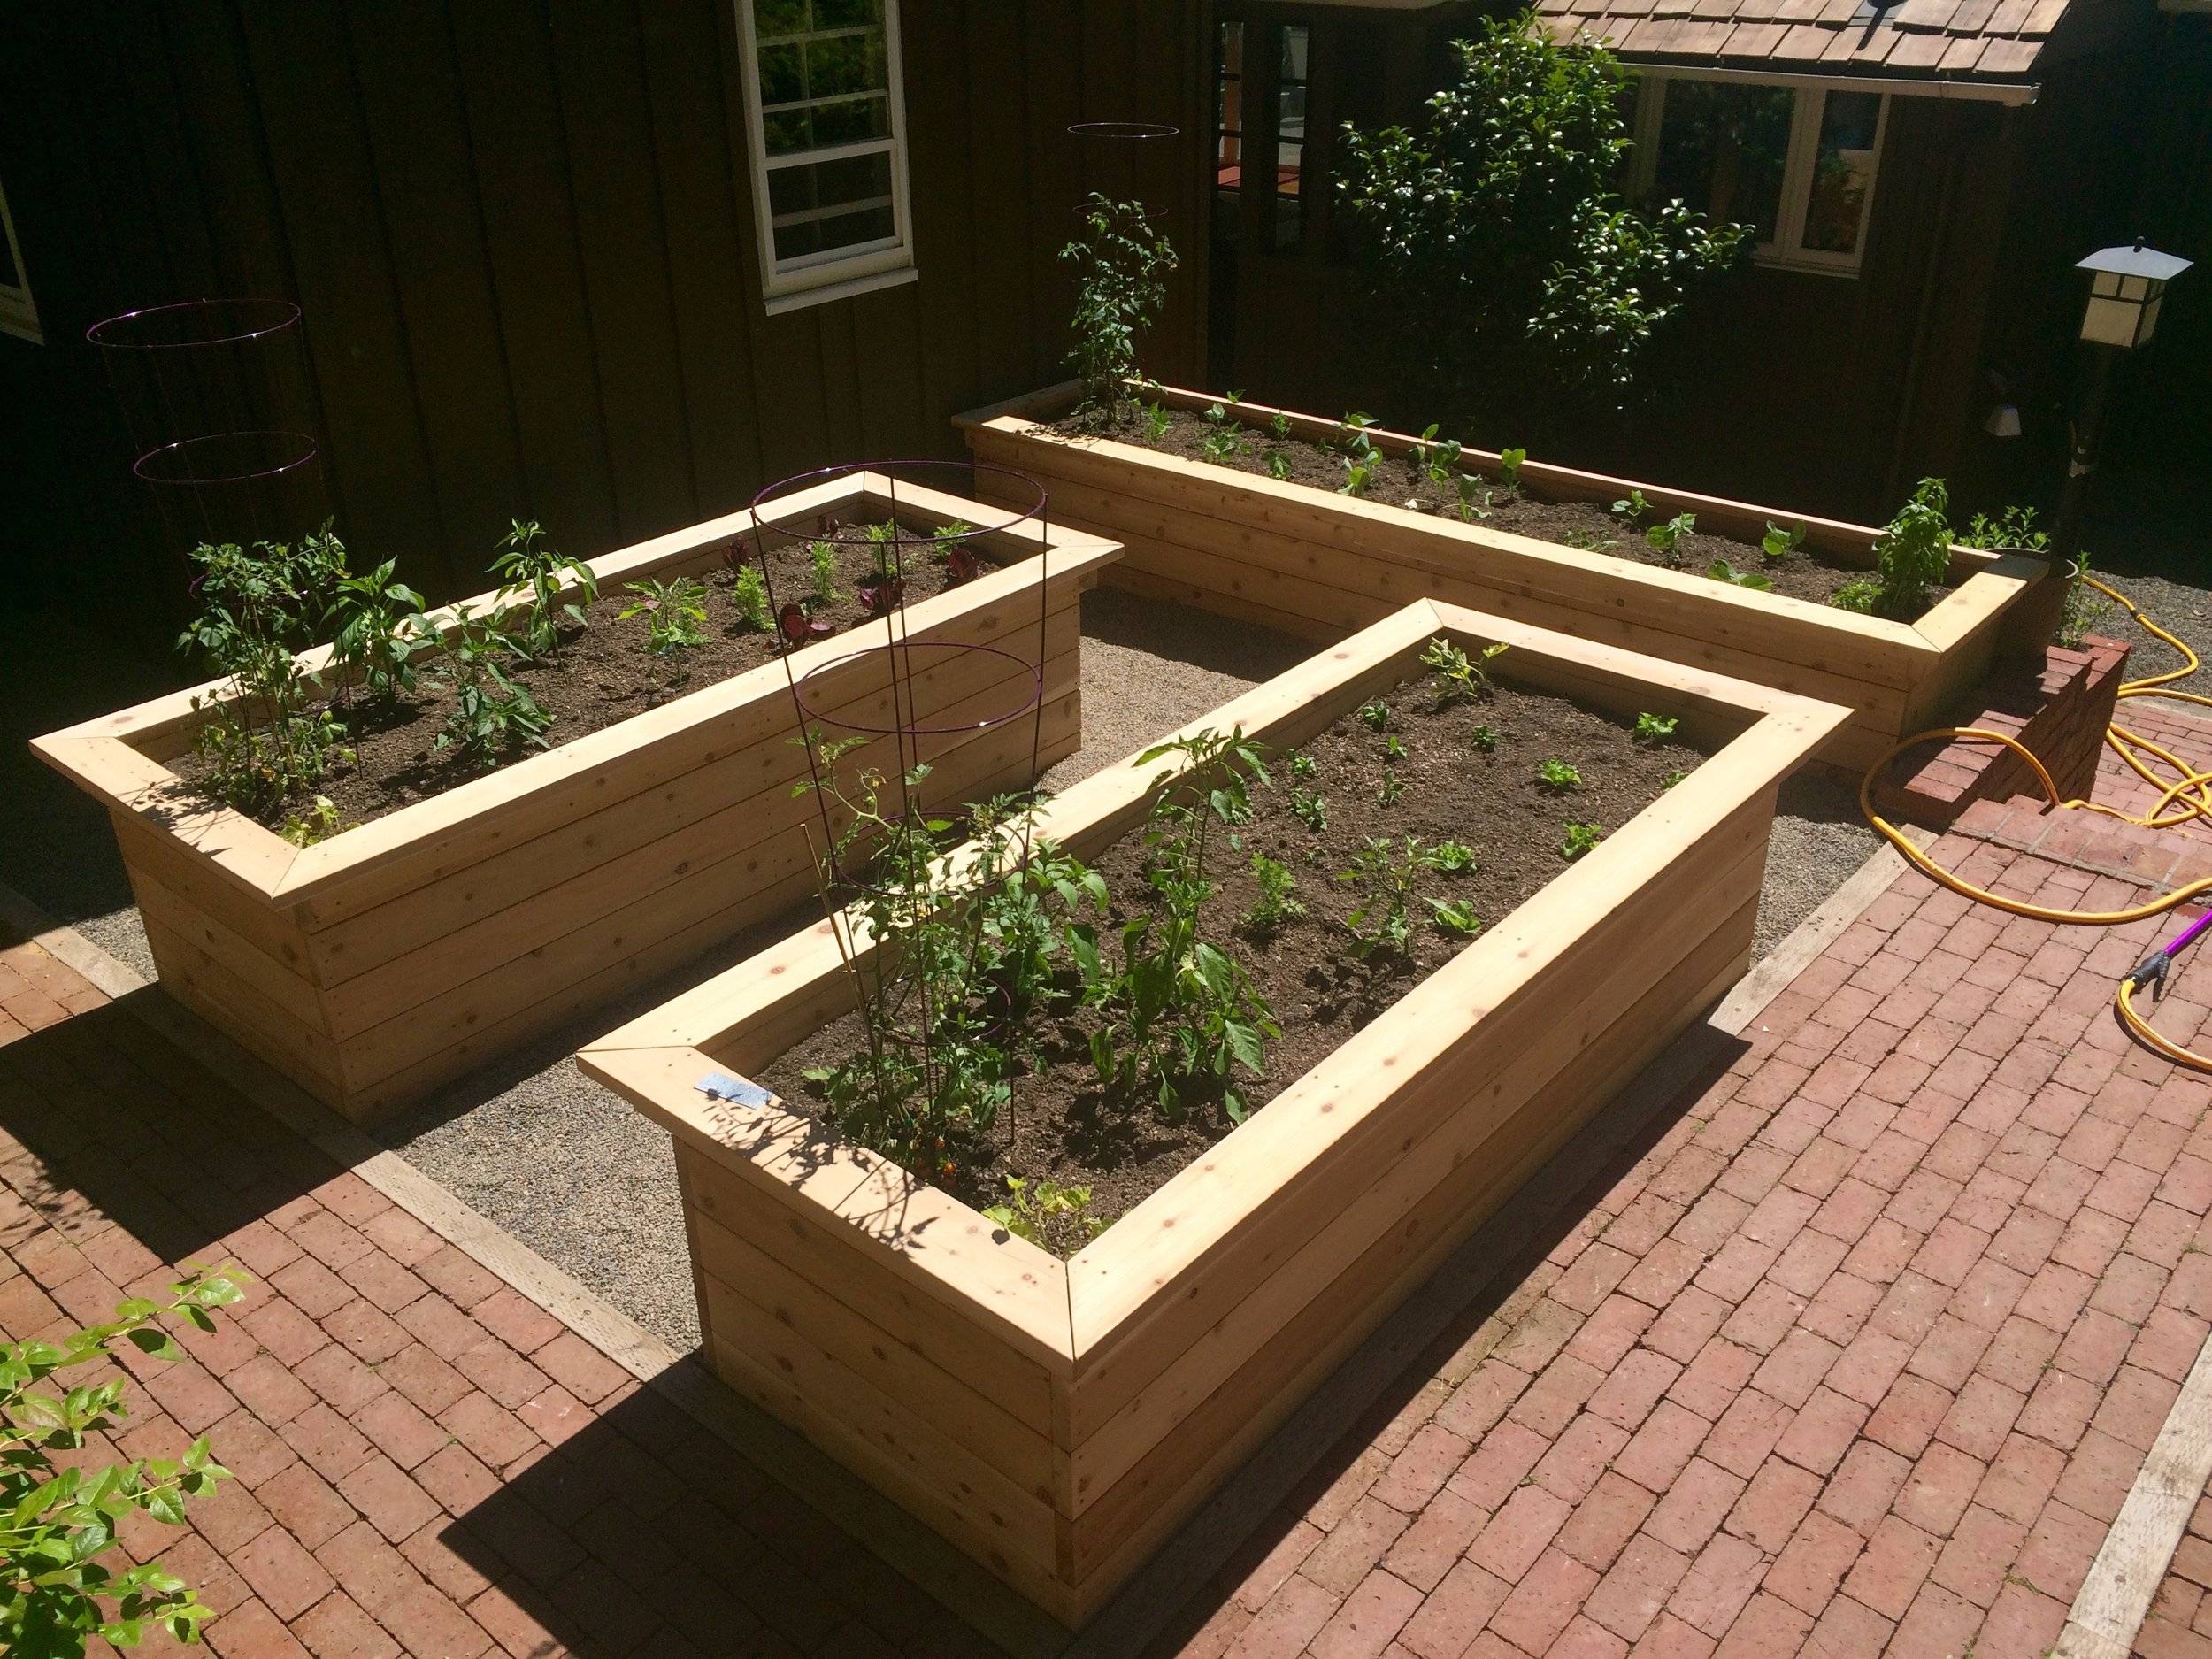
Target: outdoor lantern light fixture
(2124,287)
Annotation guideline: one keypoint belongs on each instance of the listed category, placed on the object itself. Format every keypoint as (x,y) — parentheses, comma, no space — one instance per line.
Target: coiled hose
(2184,793)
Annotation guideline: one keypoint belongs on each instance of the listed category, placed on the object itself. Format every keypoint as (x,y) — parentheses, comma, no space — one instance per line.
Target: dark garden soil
(1589,526)
(1061,1126)
(600,673)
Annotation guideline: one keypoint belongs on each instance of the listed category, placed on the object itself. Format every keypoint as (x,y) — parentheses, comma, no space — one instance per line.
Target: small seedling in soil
(1220,447)
(1437,460)
(1779,543)
(1666,539)
(1474,499)
(1558,777)
(1393,788)
(1454,857)
(1052,1214)
(1393,750)
(1460,676)
(1672,778)
(1276,905)
(1156,422)
(1302,765)
(1385,874)
(749,593)
(318,823)
(1374,716)
(1580,839)
(675,613)
(1633,507)
(1721,571)
(1655,728)
(1307,807)
(1509,466)
(1360,473)
(1455,916)
(948,537)
(1589,541)
(1484,738)
(1357,441)
(823,556)
(1279,465)
(492,715)
(797,627)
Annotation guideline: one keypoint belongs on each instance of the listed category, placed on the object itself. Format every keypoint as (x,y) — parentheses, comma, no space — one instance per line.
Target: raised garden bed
(1300,557)
(419,944)
(1058,1420)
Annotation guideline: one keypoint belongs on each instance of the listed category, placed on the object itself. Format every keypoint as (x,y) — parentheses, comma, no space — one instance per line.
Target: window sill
(779,304)
(1802,267)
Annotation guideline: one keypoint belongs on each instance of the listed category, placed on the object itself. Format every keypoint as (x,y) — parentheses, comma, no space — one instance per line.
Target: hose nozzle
(2152,971)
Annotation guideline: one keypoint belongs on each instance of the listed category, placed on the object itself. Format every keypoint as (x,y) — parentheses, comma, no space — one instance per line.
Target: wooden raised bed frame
(1057,1420)
(1317,565)
(415,947)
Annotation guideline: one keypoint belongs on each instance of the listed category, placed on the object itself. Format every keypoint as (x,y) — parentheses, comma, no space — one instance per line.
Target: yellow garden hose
(2184,794)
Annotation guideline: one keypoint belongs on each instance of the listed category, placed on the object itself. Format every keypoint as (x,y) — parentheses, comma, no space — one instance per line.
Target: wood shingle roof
(1980,39)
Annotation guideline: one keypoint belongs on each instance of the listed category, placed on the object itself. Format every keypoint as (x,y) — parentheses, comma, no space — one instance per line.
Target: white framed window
(18,314)
(1796,159)
(827,118)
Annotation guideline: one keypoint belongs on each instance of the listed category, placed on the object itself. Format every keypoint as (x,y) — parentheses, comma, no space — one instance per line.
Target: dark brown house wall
(521,232)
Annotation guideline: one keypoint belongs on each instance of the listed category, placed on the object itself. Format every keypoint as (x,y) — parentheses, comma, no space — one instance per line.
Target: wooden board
(1318,564)
(1172,1343)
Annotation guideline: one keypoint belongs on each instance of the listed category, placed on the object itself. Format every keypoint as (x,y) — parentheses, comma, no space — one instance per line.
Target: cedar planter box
(418,945)
(1058,1419)
(1317,565)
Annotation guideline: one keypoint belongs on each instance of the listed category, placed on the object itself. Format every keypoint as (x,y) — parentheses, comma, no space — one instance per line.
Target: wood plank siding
(522,234)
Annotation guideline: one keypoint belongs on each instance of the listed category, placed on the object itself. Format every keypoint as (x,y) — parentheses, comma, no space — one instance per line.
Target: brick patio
(1862,1356)
(427,1463)
(1859,1350)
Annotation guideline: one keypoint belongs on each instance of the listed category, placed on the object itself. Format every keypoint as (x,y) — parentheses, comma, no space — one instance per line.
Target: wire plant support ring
(905,1016)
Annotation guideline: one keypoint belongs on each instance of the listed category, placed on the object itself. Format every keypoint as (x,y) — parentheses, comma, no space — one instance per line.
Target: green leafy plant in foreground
(1779,543)
(1307,807)
(319,822)
(60,1513)
(1911,555)
(1656,728)
(1050,1216)
(1665,539)
(533,579)
(1580,839)
(1558,776)
(675,613)
(821,558)
(493,713)
(1121,266)
(1509,461)
(1179,1012)
(378,625)
(1633,507)
(259,605)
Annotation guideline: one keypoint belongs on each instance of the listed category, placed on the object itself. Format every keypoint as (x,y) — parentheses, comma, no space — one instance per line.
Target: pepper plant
(1178,1013)
(1121,266)
(60,1513)
(675,613)
(533,578)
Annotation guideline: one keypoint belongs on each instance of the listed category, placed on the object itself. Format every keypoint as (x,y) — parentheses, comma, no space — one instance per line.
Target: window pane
(1842,172)
(1290,137)
(1228,126)
(1722,148)
(815,206)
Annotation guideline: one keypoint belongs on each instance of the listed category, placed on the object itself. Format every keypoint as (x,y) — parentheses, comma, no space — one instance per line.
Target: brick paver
(427,1463)
(1860,1355)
